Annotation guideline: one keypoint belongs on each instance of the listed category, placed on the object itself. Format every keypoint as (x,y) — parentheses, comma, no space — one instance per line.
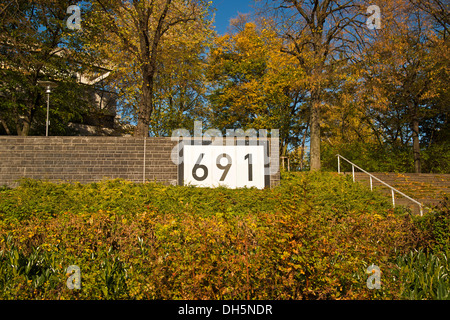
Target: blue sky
(227,9)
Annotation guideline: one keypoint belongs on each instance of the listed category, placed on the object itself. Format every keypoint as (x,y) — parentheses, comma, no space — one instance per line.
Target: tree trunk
(302,154)
(23,123)
(416,143)
(315,132)
(5,126)
(145,105)
(142,126)
(148,55)
(24,130)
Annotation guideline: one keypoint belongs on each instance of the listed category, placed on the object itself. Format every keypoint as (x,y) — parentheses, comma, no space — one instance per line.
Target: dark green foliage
(424,276)
(312,237)
(386,158)
(435,227)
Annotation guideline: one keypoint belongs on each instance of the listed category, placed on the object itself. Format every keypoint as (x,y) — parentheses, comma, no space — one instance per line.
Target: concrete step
(428,189)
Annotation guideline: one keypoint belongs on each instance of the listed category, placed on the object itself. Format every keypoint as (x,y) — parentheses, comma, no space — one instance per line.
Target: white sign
(229,166)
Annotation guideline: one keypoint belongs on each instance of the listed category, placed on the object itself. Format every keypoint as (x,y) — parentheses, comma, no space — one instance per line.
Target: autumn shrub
(435,227)
(312,237)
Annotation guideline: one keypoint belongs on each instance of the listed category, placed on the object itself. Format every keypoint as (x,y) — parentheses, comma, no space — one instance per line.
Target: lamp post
(48,85)
(48,108)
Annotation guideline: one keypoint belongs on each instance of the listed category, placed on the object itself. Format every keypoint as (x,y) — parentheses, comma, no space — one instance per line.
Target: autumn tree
(181,86)
(254,85)
(36,45)
(438,11)
(135,36)
(403,73)
(318,34)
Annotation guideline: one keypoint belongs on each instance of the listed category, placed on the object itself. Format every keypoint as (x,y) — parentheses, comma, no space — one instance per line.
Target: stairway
(427,188)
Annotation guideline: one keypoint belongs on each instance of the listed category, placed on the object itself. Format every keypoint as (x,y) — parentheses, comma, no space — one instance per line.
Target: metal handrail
(373,177)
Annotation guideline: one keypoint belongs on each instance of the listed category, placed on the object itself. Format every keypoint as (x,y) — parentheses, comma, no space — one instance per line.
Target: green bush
(435,227)
(436,158)
(310,238)
(370,157)
(386,158)
(27,273)
(424,276)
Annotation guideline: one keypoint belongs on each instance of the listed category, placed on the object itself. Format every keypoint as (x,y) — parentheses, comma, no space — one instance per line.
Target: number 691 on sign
(229,166)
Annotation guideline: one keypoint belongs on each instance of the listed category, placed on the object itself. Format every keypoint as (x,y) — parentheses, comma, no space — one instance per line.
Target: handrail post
(393,198)
(393,190)
(339,164)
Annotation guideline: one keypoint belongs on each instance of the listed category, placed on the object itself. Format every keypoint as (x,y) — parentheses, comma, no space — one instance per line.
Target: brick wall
(89,159)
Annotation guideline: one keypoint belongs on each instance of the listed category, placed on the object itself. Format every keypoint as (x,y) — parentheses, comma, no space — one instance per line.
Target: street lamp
(48,85)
